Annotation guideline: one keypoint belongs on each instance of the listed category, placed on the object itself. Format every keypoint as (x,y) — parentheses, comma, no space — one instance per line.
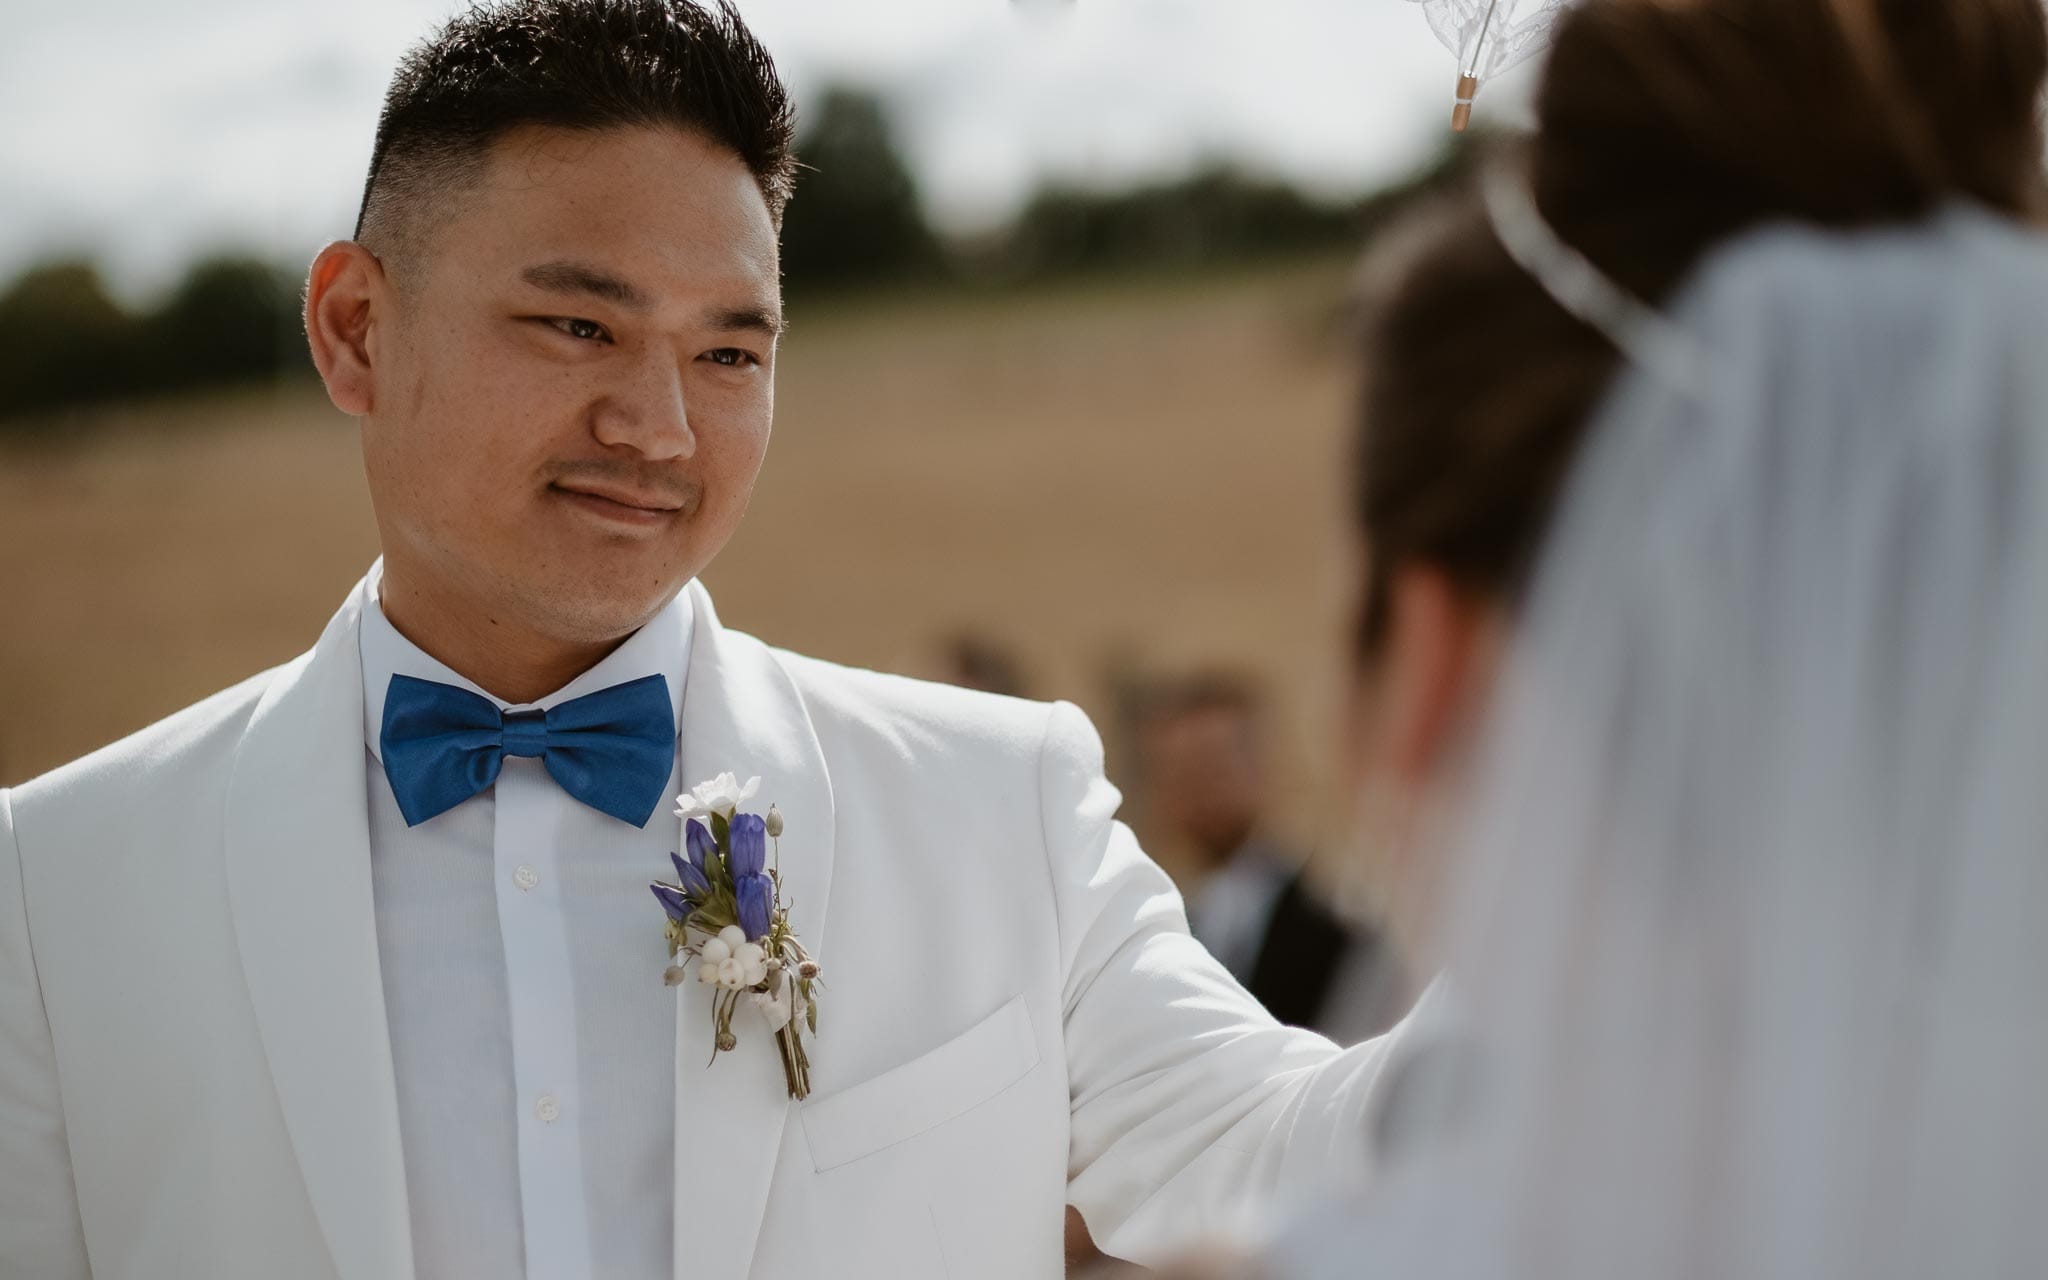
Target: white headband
(1643,334)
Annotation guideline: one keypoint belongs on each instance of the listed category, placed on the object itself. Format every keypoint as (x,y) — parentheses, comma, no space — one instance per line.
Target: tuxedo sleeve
(40,1233)
(1195,1114)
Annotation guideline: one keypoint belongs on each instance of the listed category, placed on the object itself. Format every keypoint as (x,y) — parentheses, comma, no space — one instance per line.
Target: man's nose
(647,413)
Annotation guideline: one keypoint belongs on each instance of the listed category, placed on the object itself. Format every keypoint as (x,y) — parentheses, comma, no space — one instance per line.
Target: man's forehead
(639,219)
(643,199)
(654,164)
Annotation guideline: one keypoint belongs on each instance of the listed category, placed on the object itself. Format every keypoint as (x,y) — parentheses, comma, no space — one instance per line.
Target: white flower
(722,795)
(731,961)
(753,963)
(714,955)
(774,1006)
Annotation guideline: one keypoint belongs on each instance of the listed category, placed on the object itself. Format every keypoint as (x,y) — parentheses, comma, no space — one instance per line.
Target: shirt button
(547,1109)
(526,877)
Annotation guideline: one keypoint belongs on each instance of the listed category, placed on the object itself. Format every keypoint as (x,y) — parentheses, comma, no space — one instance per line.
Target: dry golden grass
(1131,477)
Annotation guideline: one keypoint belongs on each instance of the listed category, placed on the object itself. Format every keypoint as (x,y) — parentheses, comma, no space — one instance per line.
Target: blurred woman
(1704,648)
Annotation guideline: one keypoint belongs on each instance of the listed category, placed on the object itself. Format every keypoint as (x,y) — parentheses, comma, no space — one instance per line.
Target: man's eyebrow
(567,277)
(577,277)
(762,319)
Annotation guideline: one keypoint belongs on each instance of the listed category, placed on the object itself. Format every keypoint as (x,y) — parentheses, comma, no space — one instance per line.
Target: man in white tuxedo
(278,999)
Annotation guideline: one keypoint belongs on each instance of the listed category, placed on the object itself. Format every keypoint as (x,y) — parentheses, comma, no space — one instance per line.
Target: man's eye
(731,357)
(587,330)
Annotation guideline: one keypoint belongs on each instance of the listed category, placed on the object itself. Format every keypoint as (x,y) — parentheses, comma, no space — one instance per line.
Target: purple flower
(693,881)
(701,845)
(756,904)
(749,847)
(673,901)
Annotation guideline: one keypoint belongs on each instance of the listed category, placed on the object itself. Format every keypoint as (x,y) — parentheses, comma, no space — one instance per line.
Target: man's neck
(513,663)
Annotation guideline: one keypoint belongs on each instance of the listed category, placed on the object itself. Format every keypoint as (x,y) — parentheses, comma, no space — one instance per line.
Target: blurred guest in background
(1202,763)
(972,660)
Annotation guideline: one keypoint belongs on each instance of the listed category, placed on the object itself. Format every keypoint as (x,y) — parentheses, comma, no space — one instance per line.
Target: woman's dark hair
(569,64)
(1665,127)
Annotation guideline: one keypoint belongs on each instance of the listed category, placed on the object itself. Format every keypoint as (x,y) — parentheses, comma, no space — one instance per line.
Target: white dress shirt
(532,1039)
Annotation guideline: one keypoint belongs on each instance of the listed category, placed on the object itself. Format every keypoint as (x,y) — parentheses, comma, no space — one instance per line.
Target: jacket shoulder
(204,732)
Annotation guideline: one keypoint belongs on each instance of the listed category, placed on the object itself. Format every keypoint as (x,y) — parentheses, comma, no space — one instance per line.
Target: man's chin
(593,598)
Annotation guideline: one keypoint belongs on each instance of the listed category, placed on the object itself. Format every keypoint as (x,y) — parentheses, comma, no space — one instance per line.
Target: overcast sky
(144,132)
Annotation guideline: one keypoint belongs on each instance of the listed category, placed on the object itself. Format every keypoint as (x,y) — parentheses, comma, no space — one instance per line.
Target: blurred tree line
(856,223)
(856,220)
(64,340)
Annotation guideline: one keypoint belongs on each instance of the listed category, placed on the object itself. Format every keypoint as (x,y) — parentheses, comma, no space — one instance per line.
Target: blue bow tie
(612,749)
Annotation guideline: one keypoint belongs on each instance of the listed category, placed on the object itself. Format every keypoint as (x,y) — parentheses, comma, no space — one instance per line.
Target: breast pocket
(923,1093)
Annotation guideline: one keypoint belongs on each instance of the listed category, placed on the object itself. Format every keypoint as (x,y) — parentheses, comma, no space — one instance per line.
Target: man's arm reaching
(1194,1112)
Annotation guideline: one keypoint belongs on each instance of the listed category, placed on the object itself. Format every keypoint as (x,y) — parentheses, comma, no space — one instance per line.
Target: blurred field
(1107,478)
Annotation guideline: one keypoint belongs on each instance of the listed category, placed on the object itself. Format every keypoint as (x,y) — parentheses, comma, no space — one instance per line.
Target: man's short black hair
(570,64)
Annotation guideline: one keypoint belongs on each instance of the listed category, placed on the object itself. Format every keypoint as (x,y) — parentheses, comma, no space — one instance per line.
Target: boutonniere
(725,914)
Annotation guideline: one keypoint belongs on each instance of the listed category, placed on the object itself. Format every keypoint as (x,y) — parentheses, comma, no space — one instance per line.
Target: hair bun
(1668,125)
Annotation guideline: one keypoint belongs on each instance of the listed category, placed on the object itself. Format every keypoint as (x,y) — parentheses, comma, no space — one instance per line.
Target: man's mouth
(624,505)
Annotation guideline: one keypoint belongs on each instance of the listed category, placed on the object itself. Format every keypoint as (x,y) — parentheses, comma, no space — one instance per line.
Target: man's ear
(345,295)
(1436,666)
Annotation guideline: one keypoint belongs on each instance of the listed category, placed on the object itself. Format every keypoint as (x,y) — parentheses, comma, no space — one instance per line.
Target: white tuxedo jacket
(195,1067)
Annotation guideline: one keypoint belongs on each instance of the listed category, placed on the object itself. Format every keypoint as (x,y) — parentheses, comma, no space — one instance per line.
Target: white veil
(1752,932)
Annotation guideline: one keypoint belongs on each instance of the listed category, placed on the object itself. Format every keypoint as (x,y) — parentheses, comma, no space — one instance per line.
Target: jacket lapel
(742,714)
(298,870)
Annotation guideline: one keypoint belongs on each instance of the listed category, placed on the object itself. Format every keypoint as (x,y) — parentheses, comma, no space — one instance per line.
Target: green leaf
(721,831)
